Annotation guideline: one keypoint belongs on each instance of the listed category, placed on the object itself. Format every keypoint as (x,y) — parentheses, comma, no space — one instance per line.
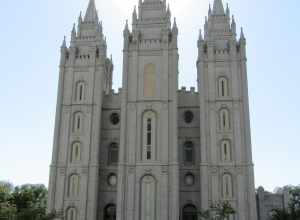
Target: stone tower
(148,170)
(151,151)
(226,158)
(85,77)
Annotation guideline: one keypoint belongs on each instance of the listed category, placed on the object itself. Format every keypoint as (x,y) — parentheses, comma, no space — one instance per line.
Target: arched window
(78,122)
(224,119)
(110,212)
(148,198)
(80,91)
(189,153)
(74,185)
(113,153)
(223,87)
(72,214)
(76,152)
(149,135)
(149,81)
(189,212)
(226,152)
(227,186)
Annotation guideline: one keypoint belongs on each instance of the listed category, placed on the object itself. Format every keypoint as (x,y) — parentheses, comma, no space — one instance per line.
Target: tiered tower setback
(151,151)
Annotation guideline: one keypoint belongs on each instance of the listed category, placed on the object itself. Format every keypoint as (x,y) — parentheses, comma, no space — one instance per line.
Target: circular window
(112,180)
(114,118)
(189,179)
(188,116)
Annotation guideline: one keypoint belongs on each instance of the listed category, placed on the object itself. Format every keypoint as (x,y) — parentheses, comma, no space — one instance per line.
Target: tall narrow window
(148,198)
(224,119)
(113,154)
(76,152)
(223,87)
(80,91)
(226,151)
(110,212)
(149,138)
(78,122)
(149,81)
(149,126)
(189,212)
(72,214)
(189,152)
(74,185)
(227,186)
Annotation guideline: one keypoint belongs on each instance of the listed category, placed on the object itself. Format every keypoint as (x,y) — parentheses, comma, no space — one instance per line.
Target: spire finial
(134,14)
(100,27)
(91,13)
(175,25)
(242,37)
(209,10)
(126,29)
(64,43)
(233,25)
(200,35)
(73,35)
(80,18)
(227,10)
(168,11)
(218,8)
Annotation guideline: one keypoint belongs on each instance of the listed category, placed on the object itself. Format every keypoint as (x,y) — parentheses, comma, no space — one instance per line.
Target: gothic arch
(223,86)
(78,122)
(80,90)
(72,214)
(149,80)
(76,151)
(74,185)
(227,186)
(148,197)
(189,152)
(110,212)
(149,133)
(113,153)
(189,212)
(224,119)
(226,150)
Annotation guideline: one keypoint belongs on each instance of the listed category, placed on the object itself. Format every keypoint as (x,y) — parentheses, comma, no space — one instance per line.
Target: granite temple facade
(152,151)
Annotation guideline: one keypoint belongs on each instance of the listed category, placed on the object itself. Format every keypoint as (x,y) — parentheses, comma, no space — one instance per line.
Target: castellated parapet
(151,151)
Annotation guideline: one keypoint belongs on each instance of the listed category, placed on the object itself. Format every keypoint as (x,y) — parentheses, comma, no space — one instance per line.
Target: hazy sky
(32,32)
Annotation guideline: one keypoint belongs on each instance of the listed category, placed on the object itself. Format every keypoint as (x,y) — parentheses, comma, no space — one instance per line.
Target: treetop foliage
(26,202)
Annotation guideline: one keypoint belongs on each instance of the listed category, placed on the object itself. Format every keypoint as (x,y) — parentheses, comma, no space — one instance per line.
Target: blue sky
(32,32)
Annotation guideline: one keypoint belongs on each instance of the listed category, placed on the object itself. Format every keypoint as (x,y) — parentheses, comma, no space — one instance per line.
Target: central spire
(91,13)
(218,8)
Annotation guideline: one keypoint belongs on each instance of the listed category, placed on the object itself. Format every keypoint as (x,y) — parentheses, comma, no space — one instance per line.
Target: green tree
(294,205)
(293,211)
(218,211)
(30,201)
(280,214)
(7,209)
(27,202)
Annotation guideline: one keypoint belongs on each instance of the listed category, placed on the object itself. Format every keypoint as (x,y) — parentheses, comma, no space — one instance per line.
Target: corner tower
(226,155)
(148,185)
(85,75)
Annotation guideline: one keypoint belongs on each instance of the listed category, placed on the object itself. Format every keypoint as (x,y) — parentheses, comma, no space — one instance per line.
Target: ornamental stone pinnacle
(91,15)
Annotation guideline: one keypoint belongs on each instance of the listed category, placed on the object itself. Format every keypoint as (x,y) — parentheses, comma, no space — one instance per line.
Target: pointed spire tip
(218,8)
(91,12)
